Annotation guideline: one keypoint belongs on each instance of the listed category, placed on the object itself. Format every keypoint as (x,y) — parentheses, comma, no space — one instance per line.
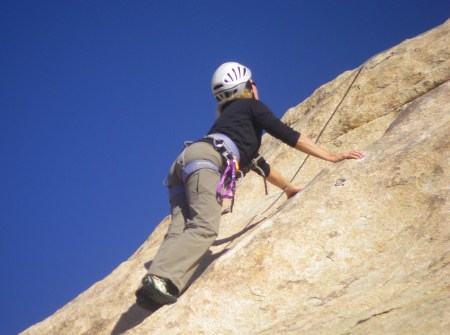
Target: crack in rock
(375,315)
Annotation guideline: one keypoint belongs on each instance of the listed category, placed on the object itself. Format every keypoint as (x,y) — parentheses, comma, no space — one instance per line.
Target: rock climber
(205,172)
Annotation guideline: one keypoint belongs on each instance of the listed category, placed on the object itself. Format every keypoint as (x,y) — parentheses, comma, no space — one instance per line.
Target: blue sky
(97,97)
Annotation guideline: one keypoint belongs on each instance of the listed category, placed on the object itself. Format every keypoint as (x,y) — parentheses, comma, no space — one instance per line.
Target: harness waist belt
(227,143)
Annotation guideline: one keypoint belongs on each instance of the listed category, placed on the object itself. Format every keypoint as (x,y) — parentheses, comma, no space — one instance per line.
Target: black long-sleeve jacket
(244,120)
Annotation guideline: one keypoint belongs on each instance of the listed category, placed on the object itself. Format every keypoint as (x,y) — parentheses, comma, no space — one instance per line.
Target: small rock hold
(340,182)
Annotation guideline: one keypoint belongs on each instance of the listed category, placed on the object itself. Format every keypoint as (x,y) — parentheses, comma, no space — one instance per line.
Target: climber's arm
(307,146)
(276,179)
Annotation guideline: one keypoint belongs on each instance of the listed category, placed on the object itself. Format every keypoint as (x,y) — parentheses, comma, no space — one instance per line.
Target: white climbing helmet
(229,78)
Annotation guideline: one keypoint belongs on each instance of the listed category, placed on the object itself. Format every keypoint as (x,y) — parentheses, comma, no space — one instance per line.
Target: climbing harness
(199,164)
(226,188)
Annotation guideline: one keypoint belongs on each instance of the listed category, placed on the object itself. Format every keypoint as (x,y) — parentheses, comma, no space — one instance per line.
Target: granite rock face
(363,249)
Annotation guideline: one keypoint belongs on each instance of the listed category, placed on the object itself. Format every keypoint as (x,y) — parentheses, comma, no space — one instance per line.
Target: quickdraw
(227,185)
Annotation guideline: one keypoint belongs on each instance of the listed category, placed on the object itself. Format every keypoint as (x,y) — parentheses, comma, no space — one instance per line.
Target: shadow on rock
(133,317)
(238,234)
(206,261)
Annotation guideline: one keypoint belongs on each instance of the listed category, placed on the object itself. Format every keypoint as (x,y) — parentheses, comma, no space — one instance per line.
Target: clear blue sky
(97,97)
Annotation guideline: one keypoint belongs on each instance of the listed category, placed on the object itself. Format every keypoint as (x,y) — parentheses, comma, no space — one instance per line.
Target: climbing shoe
(144,301)
(159,289)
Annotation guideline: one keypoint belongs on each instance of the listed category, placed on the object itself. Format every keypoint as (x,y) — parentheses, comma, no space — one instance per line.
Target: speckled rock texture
(363,249)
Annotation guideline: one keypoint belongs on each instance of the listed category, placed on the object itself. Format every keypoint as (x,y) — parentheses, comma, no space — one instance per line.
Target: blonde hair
(245,94)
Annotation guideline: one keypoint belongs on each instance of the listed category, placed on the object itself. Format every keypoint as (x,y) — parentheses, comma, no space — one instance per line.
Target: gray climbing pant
(195,217)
